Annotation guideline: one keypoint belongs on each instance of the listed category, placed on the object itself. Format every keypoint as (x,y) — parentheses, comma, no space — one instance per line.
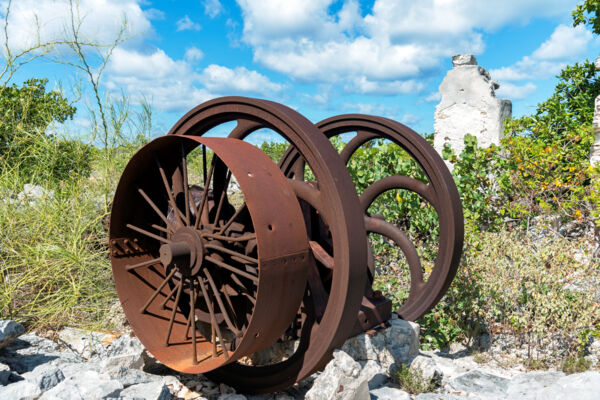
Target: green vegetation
(411,380)
(54,265)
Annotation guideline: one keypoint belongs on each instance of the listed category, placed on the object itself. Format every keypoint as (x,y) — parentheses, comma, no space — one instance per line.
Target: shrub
(26,113)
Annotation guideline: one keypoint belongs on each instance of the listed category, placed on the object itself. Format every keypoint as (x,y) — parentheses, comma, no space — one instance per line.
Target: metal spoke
(244,291)
(155,208)
(231,252)
(143,264)
(321,255)
(164,303)
(413,260)
(192,321)
(149,234)
(233,217)
(213,319)
(231,268)
(222,198)
(243,238)
(160,228)
(173,312)
(220,302)
(169,192)
(204,200)
(157,291)
(186,188)
(204,163)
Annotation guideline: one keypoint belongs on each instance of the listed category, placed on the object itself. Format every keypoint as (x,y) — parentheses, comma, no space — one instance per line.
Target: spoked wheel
(439,191)
(333,193)
(201,282)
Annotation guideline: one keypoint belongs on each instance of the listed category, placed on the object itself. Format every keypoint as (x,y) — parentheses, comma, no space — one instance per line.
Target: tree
(587,14)
(29,110)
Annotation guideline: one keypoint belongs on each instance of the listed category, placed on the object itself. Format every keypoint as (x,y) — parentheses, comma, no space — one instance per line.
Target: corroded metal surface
(440,192)
(194,294)
(205,282)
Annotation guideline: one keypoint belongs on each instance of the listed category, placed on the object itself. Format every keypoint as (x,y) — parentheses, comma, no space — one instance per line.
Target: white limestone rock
(525,386)
(427,367)
(396,344)
(583,386)
(22,390)
(463,59)
(595,150)
(469,105)
(125,352)
(89,345)
(389,393)
(482,384)
(9,331)
(374,373)
(89,385)
(147,391)
(29,351)
(339,376)
(46,376)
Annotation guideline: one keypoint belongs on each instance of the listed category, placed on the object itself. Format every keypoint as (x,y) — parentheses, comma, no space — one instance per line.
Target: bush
(26,113)
(54,266)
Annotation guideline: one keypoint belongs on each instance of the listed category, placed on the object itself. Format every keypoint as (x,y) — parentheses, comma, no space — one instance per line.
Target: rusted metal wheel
(334,195)
(201,282)
(439,191)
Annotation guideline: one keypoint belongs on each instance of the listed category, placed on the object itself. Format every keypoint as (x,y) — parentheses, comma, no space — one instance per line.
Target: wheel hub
(185,252)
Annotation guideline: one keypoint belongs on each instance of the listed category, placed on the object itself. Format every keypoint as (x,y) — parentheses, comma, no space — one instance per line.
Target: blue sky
(321,57)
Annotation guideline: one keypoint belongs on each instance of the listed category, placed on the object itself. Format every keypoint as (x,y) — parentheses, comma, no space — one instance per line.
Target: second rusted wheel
(437,189)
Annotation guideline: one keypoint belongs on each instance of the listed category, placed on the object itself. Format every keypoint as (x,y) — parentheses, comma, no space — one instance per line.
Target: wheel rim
(337,198)
(175,260)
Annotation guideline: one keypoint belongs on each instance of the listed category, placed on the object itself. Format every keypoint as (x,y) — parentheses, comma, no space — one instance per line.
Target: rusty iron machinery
(213,267)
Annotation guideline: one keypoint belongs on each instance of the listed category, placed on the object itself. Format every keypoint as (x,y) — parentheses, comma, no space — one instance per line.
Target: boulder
(340,375)
(399,343)
(88,385)
(45,376)
(9,331)
(389,393)
(147,391)
(22,390)
(481,383)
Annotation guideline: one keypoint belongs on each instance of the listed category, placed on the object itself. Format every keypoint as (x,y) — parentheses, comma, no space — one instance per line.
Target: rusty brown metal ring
(140,205)
(337,196)
(441,192)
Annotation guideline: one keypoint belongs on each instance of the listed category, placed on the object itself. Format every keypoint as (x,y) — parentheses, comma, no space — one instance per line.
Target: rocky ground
(92,365)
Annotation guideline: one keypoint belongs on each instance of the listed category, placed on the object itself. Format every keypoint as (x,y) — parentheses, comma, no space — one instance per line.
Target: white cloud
(169,85)
(433,97)
(101,19)
(364,86)
(193,54)
(212,8)
(174,85)
(186,24)
(221,79)
(382,52)
(564,43)
(515,92)
(410,119)
(153,13)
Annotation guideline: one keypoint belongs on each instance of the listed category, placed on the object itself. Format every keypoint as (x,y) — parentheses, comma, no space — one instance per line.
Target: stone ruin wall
(469,105)
(595,150)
